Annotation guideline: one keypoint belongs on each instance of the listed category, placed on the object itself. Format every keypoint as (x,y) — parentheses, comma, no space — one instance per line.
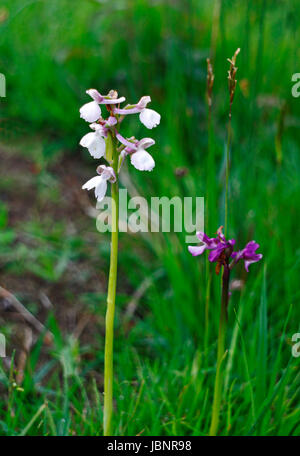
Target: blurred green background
(56,263)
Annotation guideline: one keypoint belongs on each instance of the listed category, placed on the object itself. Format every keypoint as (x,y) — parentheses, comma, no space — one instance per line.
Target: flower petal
(196,250)
(211,243)
(142,160)
(258,256)
(145,143)
(149,118)
(129,143)
(127,110)
(94,143)
(251,247)
(99,129)
(87,139)
(215,254)
(111,121)
(101,188)
(113,100)
(92,183)
(96,96)
(142,103)
(90,111)
(107,173)
(99,184)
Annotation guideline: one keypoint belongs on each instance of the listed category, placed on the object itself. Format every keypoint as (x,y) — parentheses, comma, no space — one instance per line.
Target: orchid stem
(227,174)
(221,353)
(211,215)
(111,298)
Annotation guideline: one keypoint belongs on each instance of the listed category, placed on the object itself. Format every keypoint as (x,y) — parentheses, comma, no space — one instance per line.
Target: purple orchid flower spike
(221,251)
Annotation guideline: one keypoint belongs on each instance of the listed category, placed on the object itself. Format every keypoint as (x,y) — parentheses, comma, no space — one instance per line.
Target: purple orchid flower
(216,245)
(248,254)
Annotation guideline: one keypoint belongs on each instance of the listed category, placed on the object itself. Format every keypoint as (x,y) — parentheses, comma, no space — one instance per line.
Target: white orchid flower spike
(105,140)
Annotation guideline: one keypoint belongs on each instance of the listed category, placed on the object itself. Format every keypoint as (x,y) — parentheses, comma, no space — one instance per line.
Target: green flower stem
(227,175)
(111,297)
(221,353)
(211,216)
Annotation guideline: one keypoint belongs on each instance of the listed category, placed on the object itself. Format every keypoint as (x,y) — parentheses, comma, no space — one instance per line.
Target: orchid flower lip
(95,144)
(99,184)
(142,160)
(90,112)
(150,118)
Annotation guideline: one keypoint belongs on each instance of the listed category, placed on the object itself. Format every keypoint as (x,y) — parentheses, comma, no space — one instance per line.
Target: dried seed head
(231,76)
(210,82)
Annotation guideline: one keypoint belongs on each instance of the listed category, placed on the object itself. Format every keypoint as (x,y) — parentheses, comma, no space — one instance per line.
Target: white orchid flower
(99,183)
(141,159)
(148,117)
(91,112)
(94,141)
